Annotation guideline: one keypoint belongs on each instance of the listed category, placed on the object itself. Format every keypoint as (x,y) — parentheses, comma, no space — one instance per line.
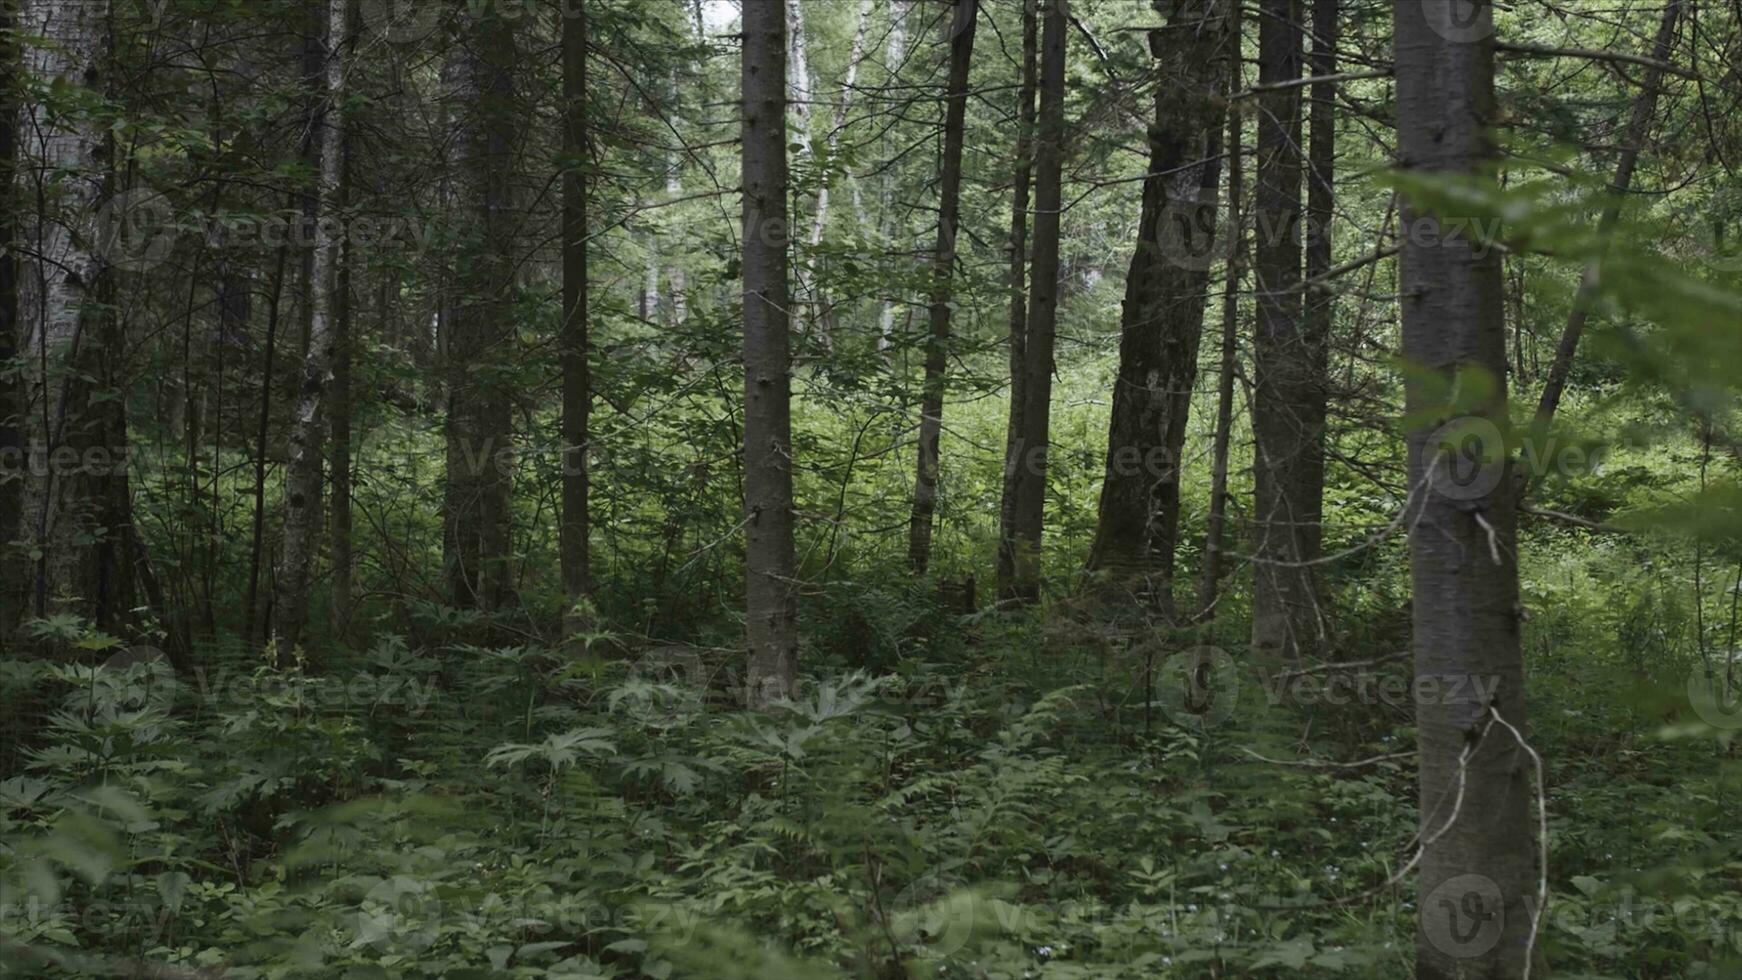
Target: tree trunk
(832,143)
(1018,296)
(1288,409)
(577,395)
(1029,458)
(1638,129)
(1210,575)
(1163,316)
(339,434)
(257,539)
(1320,296)
(931,412)
(302,481)
(74,513)
(13,593)
(771,606)
(480,420)
(1477,874)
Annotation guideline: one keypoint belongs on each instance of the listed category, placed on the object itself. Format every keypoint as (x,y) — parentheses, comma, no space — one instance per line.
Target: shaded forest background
(1076,429)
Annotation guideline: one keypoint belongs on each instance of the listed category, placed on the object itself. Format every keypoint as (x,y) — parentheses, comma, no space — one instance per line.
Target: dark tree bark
(302,481)
(770,603)
(1288,411)
(339,433)
(12,461)
(931,412)
(1638,129)
(577,396)
(1210,574)
(1163,316)
(480,341)
(1477,873)
(1018,296)
(1029,453)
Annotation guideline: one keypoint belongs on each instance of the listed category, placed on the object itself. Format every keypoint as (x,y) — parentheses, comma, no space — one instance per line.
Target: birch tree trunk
(832,142)
(339,426)
(931,412)
(1018,329)
(770,604)
(1477,876)
(13,576)
(75,507)
(1031,449)
(1163,315)
(302,482)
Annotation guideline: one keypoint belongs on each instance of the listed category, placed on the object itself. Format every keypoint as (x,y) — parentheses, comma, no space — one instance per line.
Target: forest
(790,489)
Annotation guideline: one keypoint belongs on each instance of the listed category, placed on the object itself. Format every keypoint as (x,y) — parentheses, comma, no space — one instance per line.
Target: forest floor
(1013,806)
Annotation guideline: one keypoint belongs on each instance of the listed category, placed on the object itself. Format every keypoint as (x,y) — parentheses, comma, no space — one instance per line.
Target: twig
(1493,537)
(1542,842)
(1347,665)
(1327,764)
(1595,55)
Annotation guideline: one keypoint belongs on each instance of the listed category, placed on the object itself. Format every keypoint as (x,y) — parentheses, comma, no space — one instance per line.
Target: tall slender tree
(1632,142)
(1018,329)
(770,603)
(1477,880)
(480,341)
(931,412)
(12,459)
(1319,297)
(1163,316)
(339,417)
(1288,409)
(302,486)
(1028,455)
(1210,573)
(577,393)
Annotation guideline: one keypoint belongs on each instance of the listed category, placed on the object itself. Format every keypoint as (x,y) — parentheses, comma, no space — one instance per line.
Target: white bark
(839,123)
(62,177)
(302,494)
(798,75)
